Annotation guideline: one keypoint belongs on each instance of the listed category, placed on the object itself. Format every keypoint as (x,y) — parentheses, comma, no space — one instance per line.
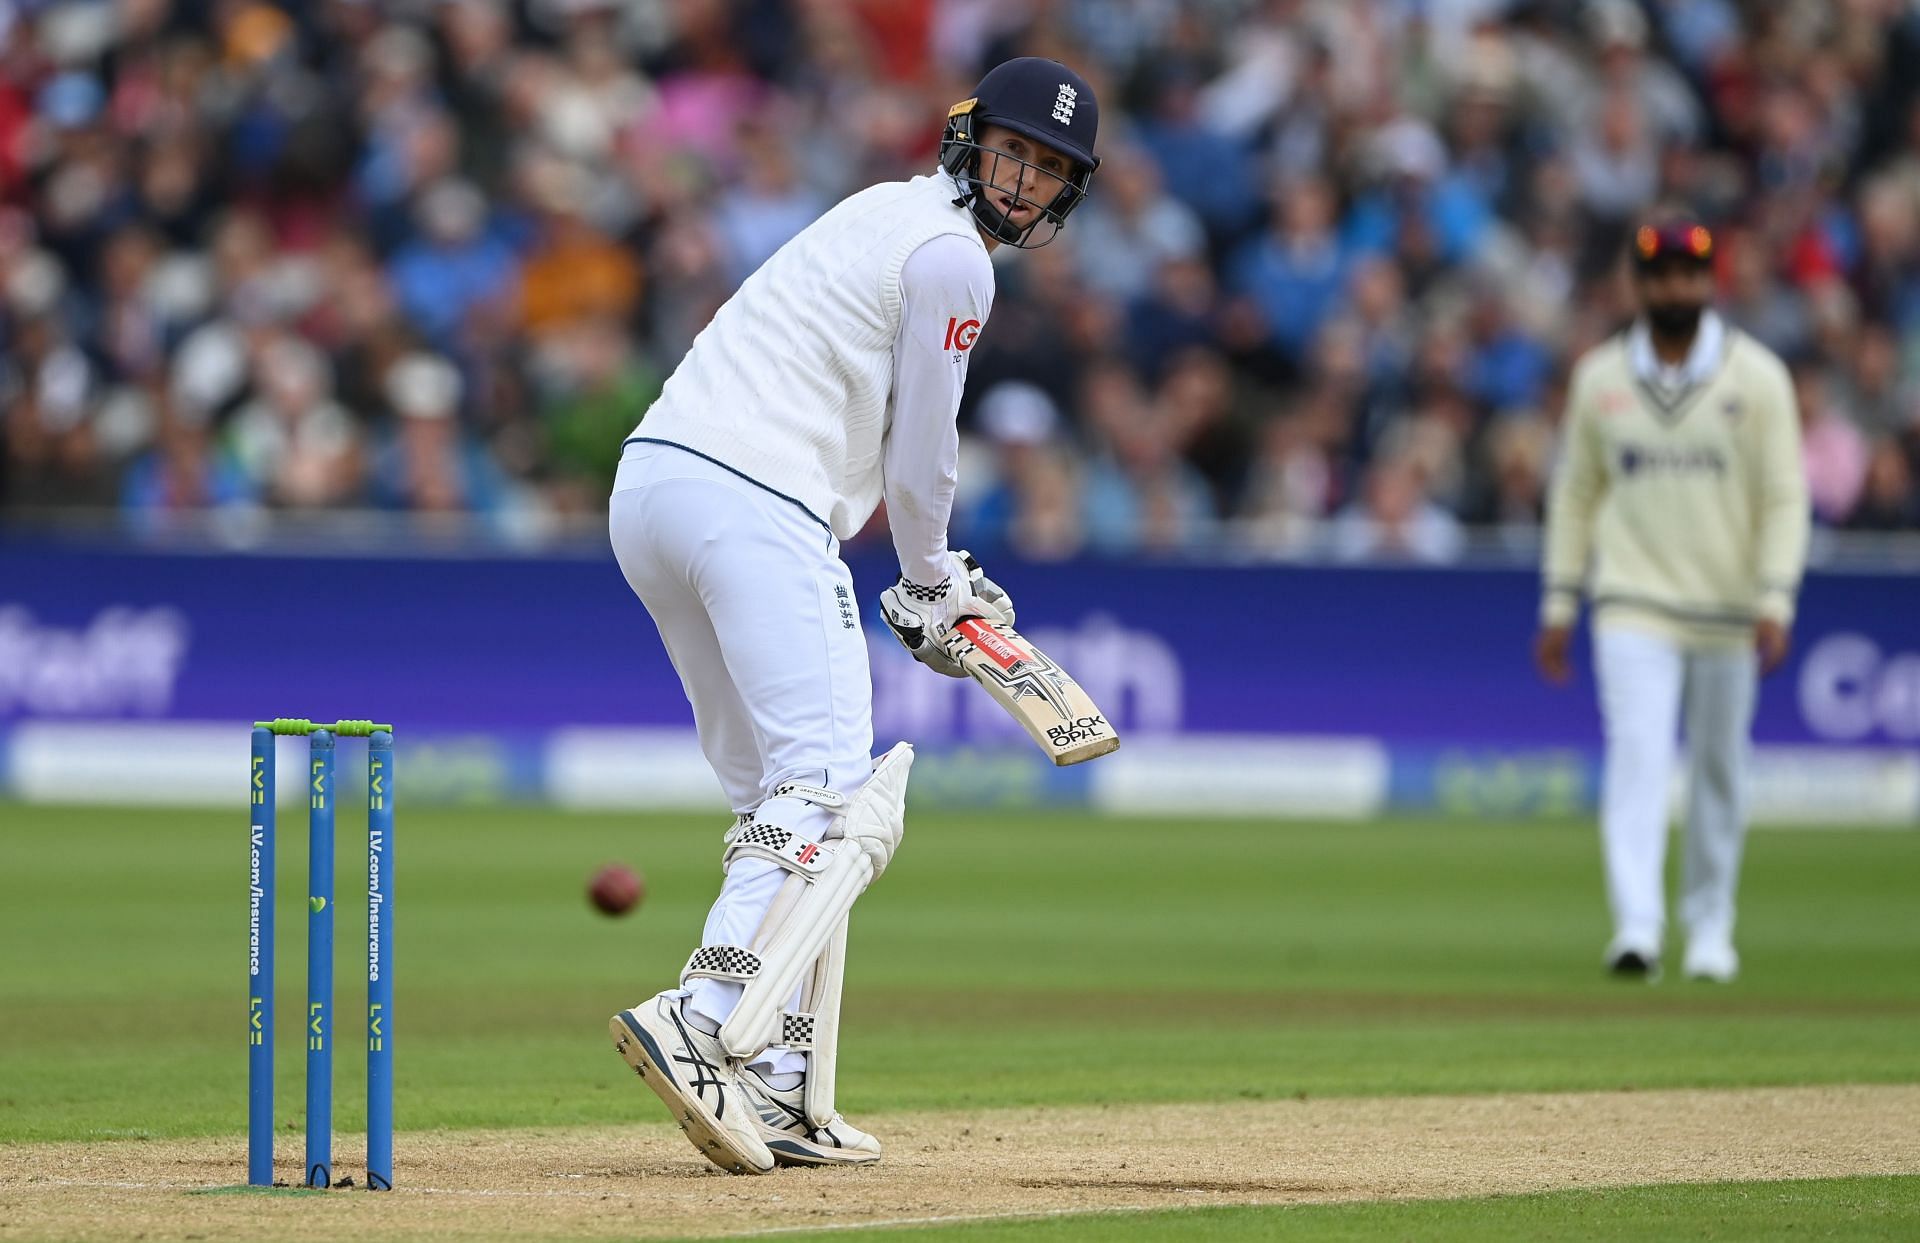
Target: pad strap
(722,962)
(796,1030)
(777,845)
(819,796)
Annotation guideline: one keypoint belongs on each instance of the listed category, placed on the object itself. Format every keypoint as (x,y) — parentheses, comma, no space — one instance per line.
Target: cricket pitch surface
(643,1181)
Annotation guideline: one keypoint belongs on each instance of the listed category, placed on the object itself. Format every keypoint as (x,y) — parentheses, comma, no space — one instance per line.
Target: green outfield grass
(1205,960)
(1824,1208)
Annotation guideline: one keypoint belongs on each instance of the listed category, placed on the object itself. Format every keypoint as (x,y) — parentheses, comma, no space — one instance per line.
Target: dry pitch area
(644,1182)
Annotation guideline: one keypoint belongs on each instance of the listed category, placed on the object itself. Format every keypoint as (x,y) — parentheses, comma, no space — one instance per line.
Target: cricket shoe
(1631,959)
(690,1072)
(796,1141)
(1711,958)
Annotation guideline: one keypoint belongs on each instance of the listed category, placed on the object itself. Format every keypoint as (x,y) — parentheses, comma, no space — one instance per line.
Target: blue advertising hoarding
(1412,656)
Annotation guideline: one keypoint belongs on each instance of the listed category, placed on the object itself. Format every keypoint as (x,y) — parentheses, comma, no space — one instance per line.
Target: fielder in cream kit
(829,381)
(1681,481)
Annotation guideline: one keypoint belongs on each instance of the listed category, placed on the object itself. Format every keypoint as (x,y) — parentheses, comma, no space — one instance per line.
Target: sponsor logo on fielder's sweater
(1679,460)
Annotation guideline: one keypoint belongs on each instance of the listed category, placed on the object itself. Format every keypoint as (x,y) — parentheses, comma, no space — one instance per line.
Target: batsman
(829,381)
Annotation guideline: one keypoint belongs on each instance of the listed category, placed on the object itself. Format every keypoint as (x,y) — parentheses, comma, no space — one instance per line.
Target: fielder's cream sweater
(1686,486)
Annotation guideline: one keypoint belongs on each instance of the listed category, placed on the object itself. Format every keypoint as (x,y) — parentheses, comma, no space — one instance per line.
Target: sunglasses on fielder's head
(1675,241)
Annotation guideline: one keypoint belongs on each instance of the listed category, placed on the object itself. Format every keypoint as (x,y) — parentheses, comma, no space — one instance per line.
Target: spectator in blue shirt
(1296,275)
(455,266)
(1506,368)
(1415,188)
(1210,172)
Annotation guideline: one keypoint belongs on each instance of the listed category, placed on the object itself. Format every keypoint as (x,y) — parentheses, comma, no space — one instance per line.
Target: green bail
(299,726)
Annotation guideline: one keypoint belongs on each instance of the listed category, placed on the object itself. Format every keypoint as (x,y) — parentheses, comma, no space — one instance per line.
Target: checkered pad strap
(721,962)
(796,1030)
(819,796)
(781,846)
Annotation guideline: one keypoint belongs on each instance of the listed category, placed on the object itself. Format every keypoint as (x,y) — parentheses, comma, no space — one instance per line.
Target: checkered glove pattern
(921,616)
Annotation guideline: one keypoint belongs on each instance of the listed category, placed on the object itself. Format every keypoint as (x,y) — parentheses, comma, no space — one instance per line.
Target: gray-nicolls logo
(1063,104)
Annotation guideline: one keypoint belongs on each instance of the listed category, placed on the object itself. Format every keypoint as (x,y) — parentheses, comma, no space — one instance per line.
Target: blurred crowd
(438,255)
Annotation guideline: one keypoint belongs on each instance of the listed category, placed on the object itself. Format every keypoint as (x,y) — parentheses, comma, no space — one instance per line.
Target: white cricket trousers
(758,615)
(1646,682)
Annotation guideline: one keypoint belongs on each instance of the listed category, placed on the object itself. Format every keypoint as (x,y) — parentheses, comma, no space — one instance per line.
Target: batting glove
(922,617)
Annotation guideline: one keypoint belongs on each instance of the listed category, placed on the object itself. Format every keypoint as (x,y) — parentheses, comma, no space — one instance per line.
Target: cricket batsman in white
(831,379)
(1681,475)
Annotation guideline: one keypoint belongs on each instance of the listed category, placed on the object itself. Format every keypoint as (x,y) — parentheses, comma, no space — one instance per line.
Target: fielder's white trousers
(758,615)
(1646,682)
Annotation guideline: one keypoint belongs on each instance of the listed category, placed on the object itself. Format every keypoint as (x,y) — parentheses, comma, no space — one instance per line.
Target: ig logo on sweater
(961,334)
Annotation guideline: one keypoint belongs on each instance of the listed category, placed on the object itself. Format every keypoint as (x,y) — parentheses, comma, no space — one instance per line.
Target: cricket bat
(1039,694)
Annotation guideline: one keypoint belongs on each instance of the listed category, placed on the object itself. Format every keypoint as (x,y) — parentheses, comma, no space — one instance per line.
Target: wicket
(319,1012)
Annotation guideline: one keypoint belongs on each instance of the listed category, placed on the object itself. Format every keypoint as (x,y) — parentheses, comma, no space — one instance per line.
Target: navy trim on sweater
(651,440)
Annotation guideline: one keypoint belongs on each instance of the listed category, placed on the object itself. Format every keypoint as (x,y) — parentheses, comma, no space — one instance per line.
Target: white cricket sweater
(1685,485)
(791,383)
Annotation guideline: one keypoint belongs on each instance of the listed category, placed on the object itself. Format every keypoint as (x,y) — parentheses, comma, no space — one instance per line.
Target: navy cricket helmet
(1039,99)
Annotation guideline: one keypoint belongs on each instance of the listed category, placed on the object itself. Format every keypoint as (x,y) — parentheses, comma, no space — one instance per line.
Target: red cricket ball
(616,889)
